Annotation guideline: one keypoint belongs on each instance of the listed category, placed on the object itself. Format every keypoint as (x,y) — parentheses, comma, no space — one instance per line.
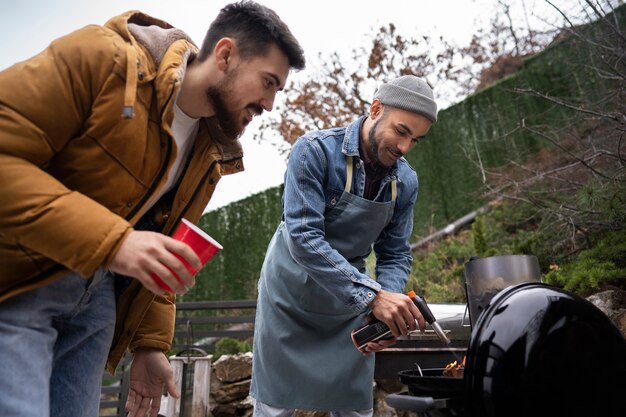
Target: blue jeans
(54,343)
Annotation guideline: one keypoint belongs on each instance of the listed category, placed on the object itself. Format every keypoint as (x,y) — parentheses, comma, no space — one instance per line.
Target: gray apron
(304,357)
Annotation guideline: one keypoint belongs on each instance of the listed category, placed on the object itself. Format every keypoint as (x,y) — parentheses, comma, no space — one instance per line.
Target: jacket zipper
(204,177)
(150,191)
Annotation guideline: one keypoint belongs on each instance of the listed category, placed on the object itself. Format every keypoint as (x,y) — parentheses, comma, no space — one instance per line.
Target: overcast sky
(325,26)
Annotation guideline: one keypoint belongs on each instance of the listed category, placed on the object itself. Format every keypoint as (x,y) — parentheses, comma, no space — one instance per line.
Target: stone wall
(230,385)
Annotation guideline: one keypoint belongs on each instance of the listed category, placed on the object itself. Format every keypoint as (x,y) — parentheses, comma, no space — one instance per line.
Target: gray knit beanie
(409,93)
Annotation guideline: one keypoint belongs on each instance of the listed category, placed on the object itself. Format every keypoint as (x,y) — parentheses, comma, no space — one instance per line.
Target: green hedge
(244,228)
(490,123)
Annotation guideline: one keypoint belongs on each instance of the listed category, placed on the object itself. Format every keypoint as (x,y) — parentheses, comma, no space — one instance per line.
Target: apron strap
(349,168)
(348,173)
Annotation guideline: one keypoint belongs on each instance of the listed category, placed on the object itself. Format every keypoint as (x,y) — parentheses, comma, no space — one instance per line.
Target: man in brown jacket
(107,139)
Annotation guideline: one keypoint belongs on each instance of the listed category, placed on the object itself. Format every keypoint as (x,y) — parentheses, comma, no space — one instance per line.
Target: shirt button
(129,204)
(370,294)
(333,201)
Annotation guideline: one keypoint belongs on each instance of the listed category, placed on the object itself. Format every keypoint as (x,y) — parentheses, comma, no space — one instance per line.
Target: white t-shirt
(185,129)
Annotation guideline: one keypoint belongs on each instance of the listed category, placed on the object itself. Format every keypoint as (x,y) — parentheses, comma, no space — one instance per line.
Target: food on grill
(454,369)
(454,372)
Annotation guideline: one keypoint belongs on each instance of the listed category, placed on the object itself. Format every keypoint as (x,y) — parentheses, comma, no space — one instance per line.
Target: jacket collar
(229,148)
(156,37)
(350,145)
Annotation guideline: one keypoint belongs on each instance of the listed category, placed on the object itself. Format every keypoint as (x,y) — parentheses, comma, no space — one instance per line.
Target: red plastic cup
(202,244)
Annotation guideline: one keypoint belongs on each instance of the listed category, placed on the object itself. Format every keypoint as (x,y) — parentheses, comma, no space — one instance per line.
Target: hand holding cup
(202,244)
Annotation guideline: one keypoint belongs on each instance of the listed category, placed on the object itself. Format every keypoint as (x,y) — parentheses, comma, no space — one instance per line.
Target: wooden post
(182,365)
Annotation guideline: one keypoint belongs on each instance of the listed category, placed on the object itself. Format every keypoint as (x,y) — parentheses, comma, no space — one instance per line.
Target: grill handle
(410,403)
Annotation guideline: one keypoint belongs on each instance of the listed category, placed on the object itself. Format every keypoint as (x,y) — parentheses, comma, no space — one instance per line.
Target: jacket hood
(121,25)
(154,35)
(157,39)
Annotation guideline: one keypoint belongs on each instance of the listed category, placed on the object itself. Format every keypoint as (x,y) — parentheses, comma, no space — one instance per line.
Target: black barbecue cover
(538,350)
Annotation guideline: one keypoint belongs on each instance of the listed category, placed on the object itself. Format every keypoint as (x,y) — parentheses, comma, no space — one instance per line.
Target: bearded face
(394,134)
(221,97)
(232,120)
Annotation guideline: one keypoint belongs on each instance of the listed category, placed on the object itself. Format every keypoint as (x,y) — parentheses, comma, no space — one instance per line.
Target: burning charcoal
(454,369)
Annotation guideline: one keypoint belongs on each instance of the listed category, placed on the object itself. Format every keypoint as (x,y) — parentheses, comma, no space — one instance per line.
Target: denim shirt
(314,181)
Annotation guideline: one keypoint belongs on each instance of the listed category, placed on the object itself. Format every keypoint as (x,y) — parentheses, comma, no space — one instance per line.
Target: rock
(306,413)
(243,408)
(620,322)
(613,304)
(224,410)
(381,409)
(390,385)
(610,301)
(384,387)
(225,393)
(233,368)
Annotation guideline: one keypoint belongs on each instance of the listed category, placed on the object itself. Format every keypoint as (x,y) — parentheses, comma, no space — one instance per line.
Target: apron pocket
(316,299)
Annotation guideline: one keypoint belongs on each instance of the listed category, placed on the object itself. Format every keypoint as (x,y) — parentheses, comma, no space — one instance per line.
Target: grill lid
(541,351)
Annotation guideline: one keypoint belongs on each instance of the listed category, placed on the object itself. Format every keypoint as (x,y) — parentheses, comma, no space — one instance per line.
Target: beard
(374,144)
(221,97)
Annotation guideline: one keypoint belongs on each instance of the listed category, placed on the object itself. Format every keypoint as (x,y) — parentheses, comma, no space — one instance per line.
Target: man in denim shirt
(346,190)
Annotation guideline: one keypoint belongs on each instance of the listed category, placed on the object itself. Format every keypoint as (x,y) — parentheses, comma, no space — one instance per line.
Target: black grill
(535,351)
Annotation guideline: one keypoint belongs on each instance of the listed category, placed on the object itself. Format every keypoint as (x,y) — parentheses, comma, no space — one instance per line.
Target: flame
(456,365)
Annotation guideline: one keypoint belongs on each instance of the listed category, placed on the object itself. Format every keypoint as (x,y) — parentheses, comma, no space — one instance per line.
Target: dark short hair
(255,28)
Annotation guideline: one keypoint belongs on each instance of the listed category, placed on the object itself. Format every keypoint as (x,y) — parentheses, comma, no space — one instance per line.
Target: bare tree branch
(618,117)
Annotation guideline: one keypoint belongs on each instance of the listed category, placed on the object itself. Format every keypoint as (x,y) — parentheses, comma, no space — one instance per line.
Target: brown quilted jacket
(75,173)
